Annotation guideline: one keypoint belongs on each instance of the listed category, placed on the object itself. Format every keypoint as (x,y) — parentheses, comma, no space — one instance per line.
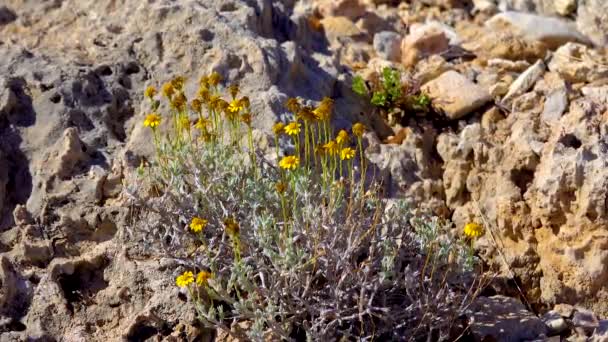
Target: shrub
(390,95)
(298,250)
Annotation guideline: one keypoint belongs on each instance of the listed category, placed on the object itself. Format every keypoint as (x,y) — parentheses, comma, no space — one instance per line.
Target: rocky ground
(518,139)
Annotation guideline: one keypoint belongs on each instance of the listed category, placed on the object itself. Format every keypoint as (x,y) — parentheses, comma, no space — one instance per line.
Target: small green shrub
(302,250)
(390,95)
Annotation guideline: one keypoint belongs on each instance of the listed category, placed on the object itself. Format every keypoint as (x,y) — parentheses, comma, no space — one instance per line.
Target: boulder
(504,319)
(455,95)
(578,63)
(553,32)
(388,45)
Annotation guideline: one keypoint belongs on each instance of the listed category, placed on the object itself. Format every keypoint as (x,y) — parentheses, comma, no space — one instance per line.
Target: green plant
(390,94)
(302,249)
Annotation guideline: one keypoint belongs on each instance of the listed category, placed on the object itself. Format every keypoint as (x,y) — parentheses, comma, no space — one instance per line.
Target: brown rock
(351,9)
(423,41)
(340,27)
(455,95)
(578,63)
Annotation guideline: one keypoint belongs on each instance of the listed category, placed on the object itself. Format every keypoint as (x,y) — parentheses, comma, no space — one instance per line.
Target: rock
(485,6)
(564,7)
(525,81)
(600,334)
(564,310)
(555,105)
(503,319)
(591,20)
(421,42)
(388,45)
(351,9)
(578,63)
(396,164)
(8,285)
(69,152)
(8,98)
(553,32)
(585,320)
(507,65)
(488,44)
(455,95)
(430,68)
(3,181)
(6,15)
(336,28)
(597,95)
(555,323)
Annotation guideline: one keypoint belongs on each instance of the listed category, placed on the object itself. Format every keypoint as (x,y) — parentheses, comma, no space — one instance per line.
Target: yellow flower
(179,102)
(293,128)
(323,111)
(203,277)
(198,224)
(473,230)
(331,148)
(196,105)
(320,150)
(204,81)
(246,119)
(234,90)
(342,137)
(245,101)
(150,92)
(184,122)
(203,94)
(277,128)
(201,124)
(178,82)
(152,120)
(235,106)
(347,153)
(280,187)
(185,279)
(214,79)
(306,114)
(359,129)
(232,227)
(293,105)
(168,90)
(289,162)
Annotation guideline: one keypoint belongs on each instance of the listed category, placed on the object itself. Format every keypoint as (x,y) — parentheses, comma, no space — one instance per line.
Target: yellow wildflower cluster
(212,110)
(187,278)
(152,120)
(473,230)
(198,224)
(289,162)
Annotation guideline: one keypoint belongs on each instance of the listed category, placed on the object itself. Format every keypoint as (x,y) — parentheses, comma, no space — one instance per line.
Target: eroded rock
(455,95)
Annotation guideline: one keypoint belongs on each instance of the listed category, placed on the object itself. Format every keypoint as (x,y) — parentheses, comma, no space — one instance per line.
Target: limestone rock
(489,44)
(555,104)
(421,42)
(565,7)
(351,9)
(555,323)
(388,45)
(503,319)
(551,31)
(578,63)
(591,19)
(336,28)
(455,95)
(526,80)
(585,320)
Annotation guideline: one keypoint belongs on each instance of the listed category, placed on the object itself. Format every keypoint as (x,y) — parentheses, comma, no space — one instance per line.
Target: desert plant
(300,250)
(392,96)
